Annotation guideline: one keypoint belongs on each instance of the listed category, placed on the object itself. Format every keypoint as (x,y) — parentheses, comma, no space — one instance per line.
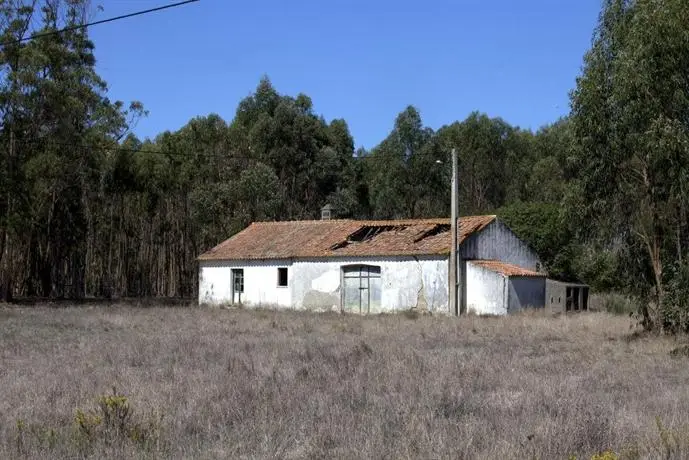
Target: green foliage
(86,208)
(20,437)
(310,158)
(599,266)
(541,226)
(89,209)
(671,442)
(404,175)
(113,422)
(46,438)
(87,423)
(631,152)
(54,113)
(487,160)
(618,304)
(606,455)
(674,310)
(111,425)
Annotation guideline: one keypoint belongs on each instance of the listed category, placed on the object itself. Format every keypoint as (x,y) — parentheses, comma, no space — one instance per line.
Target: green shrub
(113,422)
(607,455)
(673,314)
(619,305)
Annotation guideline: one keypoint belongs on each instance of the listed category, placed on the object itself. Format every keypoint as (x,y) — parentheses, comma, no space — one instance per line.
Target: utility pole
(454,306)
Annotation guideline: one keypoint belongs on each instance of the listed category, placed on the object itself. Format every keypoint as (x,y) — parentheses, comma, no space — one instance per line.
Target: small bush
(607,455)
(674,309)
(616,304)
(112,422)
(87,423)
(680,351)
(34,434)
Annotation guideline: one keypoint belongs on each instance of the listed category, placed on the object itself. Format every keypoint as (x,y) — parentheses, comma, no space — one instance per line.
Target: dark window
(238,280)
(282,277)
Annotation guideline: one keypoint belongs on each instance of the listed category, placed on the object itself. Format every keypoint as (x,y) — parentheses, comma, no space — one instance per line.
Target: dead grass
(216,383)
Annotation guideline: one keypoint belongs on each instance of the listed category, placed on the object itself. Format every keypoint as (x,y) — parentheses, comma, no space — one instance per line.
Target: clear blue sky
(361,60)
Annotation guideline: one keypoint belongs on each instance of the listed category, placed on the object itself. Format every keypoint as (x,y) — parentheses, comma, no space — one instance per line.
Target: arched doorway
(362,289)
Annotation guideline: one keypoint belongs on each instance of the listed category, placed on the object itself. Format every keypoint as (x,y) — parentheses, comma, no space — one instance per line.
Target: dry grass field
(203,383)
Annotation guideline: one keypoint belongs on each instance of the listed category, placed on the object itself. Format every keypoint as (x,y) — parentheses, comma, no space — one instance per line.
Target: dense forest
(87,209)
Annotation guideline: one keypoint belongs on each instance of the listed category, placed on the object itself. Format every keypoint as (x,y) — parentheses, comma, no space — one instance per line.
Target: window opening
(282,277)
(238,279)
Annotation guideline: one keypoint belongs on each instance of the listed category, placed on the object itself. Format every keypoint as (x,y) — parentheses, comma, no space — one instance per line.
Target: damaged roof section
(344,238)
(437,229)
(366,233)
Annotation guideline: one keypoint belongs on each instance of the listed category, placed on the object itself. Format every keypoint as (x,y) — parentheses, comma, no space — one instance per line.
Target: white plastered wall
(407,282)
(486,291)
(260,283)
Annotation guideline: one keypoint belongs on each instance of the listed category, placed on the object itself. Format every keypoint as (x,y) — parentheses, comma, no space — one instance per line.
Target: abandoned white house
(372,266)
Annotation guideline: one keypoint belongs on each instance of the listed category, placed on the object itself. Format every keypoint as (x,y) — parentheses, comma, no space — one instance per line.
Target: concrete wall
(498,242)
(260,282)
(486,291)
(555,293)
(525,292)
(407,282)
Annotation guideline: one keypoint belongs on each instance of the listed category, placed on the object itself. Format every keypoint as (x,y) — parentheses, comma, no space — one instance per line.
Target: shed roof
(567,283)
(344,238)
(506,269)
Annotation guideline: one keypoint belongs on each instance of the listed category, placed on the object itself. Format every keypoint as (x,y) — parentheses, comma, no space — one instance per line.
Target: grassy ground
(204,383)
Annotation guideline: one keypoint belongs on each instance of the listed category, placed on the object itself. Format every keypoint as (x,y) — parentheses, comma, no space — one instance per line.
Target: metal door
(237,285)
(362,289)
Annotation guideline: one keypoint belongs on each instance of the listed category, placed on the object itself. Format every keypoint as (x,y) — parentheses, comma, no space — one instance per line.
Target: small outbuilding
(373,266)
(566,297)
(498,288)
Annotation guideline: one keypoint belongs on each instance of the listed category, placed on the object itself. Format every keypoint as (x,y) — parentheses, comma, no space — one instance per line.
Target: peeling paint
(406,283)
(317,300)
(327,282)
(421,303)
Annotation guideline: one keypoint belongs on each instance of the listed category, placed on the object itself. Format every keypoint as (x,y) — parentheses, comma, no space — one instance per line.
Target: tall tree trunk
(6,278)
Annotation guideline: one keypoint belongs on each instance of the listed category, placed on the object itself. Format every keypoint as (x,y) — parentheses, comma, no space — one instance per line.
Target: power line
(95,23)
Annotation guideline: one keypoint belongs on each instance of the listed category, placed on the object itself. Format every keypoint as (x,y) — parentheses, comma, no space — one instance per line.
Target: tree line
(88,209)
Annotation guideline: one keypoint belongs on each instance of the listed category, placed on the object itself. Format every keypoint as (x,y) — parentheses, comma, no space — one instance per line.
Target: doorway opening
(361,289)
(237,285)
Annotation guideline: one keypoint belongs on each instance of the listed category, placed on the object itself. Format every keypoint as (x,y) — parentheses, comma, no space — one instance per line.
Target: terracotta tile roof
(505,269)
(349,238)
